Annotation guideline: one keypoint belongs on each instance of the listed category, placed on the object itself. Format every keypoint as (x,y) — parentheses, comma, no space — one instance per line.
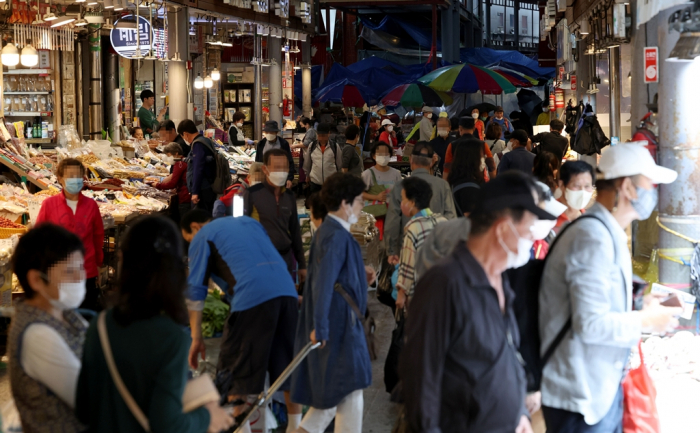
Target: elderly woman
(331,379)
(177,179)
(46,338)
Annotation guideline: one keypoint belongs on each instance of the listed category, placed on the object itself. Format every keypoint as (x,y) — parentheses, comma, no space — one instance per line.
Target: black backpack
(525,282)
(222,179)
(460,187)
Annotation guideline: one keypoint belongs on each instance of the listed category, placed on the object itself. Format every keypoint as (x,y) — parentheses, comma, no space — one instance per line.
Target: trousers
(563,421)
(348,416)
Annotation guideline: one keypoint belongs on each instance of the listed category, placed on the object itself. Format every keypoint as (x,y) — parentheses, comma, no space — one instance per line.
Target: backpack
(525,281)
(458,188)
(222,179)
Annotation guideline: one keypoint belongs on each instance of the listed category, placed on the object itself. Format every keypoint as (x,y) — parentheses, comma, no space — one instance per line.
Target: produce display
(7,224)
(214,315)
(667,357)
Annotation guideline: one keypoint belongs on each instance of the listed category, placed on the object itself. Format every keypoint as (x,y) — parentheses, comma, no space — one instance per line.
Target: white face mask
(239,125)
(278,178)
(429,115)
(352,218)
(578,199)
(270,137)
(70,296)
(542,228)
(475,116)
(522,255)
(482,167)
(443,132)
(389,128)
(383,160)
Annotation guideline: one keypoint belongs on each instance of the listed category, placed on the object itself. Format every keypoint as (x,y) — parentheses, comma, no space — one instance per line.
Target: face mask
(352,218)
(475,116)
(645,202)
(482,167)
(383,160)
(406,209)
(270,137)
(443,132)
(541,228)
(428,115)
(278,178)
(70,296)
(389,128)
(522,255)
(578,199)
(239,125)
(483,118)
(74,185)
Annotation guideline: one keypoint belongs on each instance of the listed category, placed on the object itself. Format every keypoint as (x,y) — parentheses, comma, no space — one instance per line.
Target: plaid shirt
(416,231)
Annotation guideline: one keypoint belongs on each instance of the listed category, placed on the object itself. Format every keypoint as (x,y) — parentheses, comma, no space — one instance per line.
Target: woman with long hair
(149,343)
(467,175)
(546,169)
(494,142)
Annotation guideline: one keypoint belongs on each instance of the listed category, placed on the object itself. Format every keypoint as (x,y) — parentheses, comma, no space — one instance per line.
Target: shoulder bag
(197,393)
(376,209)
(367,320)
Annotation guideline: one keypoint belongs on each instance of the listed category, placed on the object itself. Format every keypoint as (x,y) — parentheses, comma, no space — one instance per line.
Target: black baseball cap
(519,135)
(510,190)
(423,148)
(467,122)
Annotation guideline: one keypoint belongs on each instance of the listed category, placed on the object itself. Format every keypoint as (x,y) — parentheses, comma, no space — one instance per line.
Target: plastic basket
(6,233)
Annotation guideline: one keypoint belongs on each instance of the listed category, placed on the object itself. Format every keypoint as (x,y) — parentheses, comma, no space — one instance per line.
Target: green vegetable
(214,315)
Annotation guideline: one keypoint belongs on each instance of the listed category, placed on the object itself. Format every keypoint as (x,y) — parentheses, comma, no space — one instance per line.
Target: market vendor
(80,215)
(137,133)
(177,179)
(235,132)
(168,133)
(147,118)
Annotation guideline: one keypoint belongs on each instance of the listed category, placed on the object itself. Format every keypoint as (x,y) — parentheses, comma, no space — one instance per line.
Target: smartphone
(237,206)
(672,301)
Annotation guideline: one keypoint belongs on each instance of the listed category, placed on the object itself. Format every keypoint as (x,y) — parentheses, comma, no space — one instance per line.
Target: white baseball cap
(427,109)
(631,159)
(387,122)
(551,205)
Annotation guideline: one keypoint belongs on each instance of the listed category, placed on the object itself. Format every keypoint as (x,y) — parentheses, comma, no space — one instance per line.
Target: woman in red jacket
(389,135)
(177,179)
(80,215)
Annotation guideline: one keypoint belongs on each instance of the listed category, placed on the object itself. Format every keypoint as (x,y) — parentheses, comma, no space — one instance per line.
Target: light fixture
(62,20)
(118,5)
(29,56)
(208,83)
(80,23)
(126,23)
(686,49)
(92,2)
(80,1)
(108,4)
(49,16)
(9,55)
(193,31)
(215,75)
(198,82)
(297,67)
(585,28)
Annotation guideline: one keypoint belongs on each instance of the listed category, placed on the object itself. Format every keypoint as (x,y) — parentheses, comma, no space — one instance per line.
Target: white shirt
(47,358)
(73,204)
(342,222)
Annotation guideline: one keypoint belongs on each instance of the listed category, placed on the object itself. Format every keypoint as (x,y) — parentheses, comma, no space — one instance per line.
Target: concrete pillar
(349,38)
(274,51)
(449,33)
(178,41)
(306,77)
(257,89)
(679,202)
(614,67)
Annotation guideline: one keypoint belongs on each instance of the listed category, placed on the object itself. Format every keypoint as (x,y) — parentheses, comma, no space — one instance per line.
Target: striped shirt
(417,229)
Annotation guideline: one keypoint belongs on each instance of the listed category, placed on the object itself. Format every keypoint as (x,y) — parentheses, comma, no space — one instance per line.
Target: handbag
(198,392)
(376,208)
(367,320)
(384,286)
(640,414)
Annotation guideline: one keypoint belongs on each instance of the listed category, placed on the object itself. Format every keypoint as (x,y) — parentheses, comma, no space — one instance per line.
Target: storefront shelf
(28,113)
(37,140)
(27,71)
(27,93)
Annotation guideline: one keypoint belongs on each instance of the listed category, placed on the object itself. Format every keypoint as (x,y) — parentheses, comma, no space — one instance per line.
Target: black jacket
(459,366)
(590,138)
(552,142)
(284,145)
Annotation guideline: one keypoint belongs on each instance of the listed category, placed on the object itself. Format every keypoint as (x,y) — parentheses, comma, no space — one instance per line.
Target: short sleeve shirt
(386,178)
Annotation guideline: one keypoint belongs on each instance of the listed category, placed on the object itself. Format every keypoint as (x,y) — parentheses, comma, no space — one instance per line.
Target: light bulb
(29,56)
(9,55)
(215,75)
(208,82)
(198,82)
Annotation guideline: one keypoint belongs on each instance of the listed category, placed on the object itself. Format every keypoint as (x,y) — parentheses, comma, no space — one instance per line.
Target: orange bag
(640,414)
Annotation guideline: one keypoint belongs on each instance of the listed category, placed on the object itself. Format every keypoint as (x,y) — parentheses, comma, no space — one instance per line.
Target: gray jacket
(442,203)
(589,278)
(440,243)
(320,165)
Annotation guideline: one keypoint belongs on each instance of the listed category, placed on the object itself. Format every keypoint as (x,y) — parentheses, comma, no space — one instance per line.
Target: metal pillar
(615,91)
(516,23)
(449,31)
(487,18)
(177,72)
(111,83)
(274,51)
(679,202)
(433,45)
(257,89)
(306,78)
(95,83)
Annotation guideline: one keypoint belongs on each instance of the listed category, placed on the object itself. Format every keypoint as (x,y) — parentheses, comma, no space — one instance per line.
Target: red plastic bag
(640,415)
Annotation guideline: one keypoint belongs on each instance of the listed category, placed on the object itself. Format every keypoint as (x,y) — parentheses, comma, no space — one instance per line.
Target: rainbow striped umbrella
(415,95)
(512,76)
(468,78)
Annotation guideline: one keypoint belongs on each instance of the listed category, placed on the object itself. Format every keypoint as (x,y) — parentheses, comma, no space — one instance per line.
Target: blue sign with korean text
(124,41)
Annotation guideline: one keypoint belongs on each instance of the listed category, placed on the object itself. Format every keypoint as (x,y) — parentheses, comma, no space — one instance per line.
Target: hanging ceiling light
(49,16)
(9,55)
(29,56)
(126,23)
(108,4)
(193,31)
(62,20)
(585,28)
(208,83)
(118,5)
(81,22)
(198,82)
(215,74)
(80,1)
(92,2)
